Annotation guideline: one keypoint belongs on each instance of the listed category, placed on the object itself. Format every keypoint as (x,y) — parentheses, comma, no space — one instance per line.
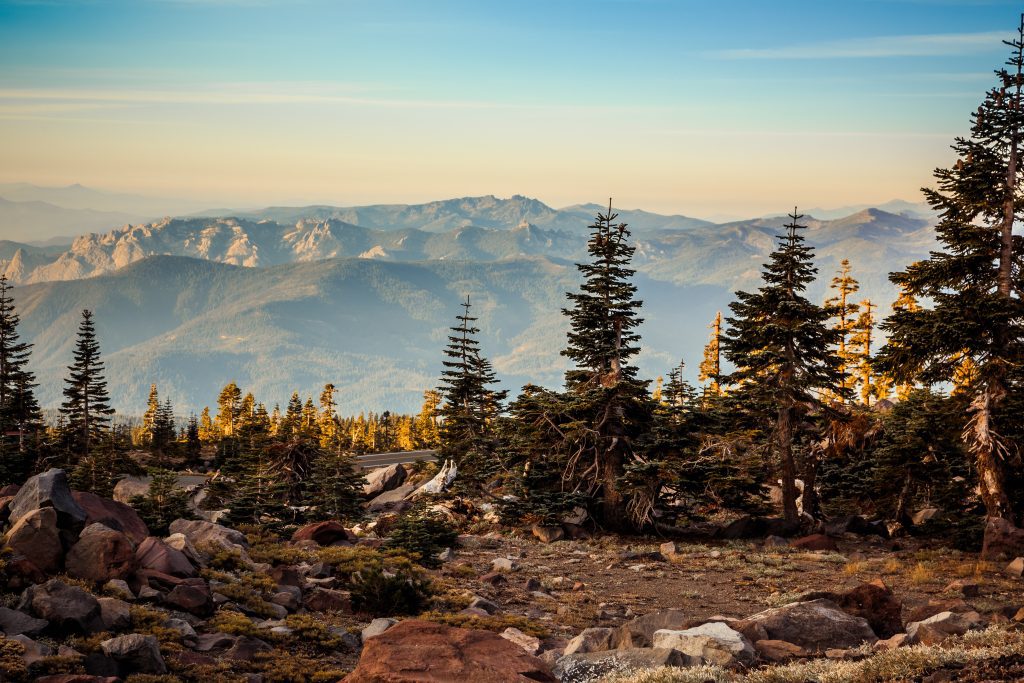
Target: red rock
(36,537)
(1002,540)
(100,555)
(873,601)
(778,650)
(815,542)
(416,651)
(195,599)
(324,533)
(328,600)
(113,514)
(157,555)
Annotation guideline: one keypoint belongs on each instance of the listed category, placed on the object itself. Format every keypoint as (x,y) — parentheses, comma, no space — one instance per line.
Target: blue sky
(725,108)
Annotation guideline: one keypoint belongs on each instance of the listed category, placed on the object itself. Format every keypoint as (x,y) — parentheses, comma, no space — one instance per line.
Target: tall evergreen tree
(711,364)
(229,405)
(86,407)
(844,311)
(20,416)
(974,287)
(469,403)
(152,407)
(610,405)
(780,343)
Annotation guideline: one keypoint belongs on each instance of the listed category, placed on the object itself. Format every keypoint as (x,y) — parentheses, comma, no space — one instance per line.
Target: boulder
(34,650)
(113,514)
(392,501)
(548,534)
(36,537)
(924,515)
(1003,540)
(530,644)
(115,614)
(181,543)
(596,666)
(934,630)
(16,623)
(815,542)
(873,601)
(205,535)
(897,641)
(815,625)
(48,490)
(245,648)
(129,487)
(193,597)
(1015,568)
(377,627)
(425,652)
(778,650)
(135,654)
(324,533)
(936,606)
(328,600)
(67,608)
(590,640)
(100,555)
(640,631)
(384,479)
(713,643)
(156,555)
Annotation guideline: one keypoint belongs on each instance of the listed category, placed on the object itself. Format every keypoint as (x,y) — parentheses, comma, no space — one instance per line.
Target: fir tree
(469,405)
(711,365)
(335,488)
(779,343)
(426,427)
(86,408)
(844,311)
(229,405)
(871,386)
(193,442)
(20,416)
(607,405)
(149,417)
(973,288)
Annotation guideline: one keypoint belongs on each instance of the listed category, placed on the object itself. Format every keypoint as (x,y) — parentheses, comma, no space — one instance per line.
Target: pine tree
(229,405)
(327,419)
(711,365)
(975,306)
(193,442)
(207,431)
(149,417)
(335,488)
(844,311)
(426,422)
(610,406)
(163,429)
(86,407)
(779,343)
(904,302)
(869,385)
(20,416)
(469,405)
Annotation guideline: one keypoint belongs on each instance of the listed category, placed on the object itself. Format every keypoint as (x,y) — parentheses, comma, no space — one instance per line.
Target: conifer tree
(335,487)
(426,422)
(974,291)
(229,405)
(162,429)
(711,365)
(327,419)
(779,343)
(20,416)
(207,431)
(193,442)
(149,417)
(610,404)
(844,311)
(869,385)
(904,302)
(86,407)
(469,405)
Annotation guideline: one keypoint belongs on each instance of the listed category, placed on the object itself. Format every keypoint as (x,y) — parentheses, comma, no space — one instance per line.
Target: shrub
(163,503)
(423,534)
(383,594)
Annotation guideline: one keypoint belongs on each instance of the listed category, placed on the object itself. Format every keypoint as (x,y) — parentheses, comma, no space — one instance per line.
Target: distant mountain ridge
(192,303)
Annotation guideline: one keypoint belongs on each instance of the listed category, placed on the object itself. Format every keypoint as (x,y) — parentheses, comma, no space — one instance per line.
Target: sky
(710,109)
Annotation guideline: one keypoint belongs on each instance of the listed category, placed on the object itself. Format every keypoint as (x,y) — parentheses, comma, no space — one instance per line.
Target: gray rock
(287,600)
(640,631)
(154,554)
(182,627)
(205,536)
(213,641)
(392,501)
(815,625)
(377,627)
(935,629)
(503,564)
(595,666)
(68,608)
(713,643)
(115,614)
(48,490)
(590,640)
(120,588)
(531,644)
(384,479)
(484,604)
(15,623)
(135,654)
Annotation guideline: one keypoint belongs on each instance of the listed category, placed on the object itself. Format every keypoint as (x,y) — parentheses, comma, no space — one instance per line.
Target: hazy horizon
(713,111)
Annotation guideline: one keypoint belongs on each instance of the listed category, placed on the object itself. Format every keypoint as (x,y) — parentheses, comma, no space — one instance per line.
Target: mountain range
(287,299)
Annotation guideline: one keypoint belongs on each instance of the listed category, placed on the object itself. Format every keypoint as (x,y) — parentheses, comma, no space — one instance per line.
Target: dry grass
(921,574)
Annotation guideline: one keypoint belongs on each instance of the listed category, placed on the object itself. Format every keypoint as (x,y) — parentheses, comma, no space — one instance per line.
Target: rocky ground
(90,595)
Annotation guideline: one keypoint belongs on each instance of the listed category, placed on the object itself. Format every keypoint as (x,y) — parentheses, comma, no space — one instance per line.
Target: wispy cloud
(926,45)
